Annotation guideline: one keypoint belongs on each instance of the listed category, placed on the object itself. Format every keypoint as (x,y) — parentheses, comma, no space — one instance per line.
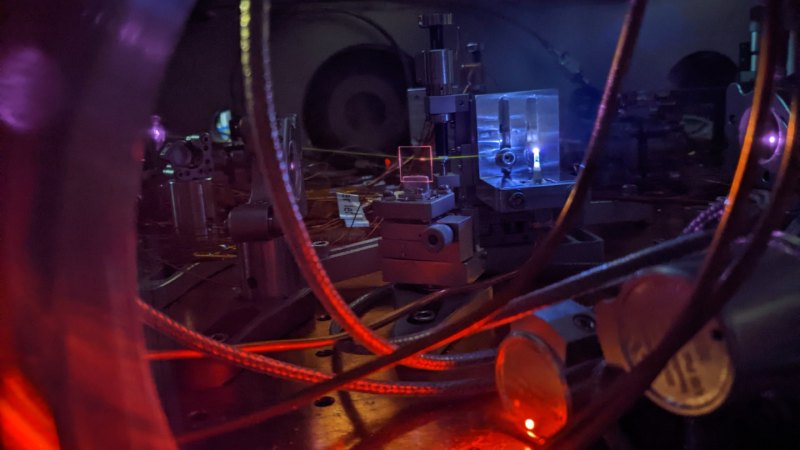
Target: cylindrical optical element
(437,236)
(439,71)
(532,384)
(192,206)
(700,376)
(752,347)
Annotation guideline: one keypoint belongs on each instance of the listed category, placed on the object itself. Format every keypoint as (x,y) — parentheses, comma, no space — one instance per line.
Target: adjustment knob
(437,237)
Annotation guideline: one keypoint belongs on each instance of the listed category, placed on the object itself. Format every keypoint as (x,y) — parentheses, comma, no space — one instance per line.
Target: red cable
(263,138)
(281,369)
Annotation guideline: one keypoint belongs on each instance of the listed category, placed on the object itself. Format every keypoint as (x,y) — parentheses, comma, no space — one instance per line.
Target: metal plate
(352,421)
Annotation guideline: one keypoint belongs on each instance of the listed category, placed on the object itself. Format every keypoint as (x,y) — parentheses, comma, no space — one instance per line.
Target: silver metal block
(353,260)
(550,194)
(431,272)
(447,104)
(419,210)
(418,251)
(425,242)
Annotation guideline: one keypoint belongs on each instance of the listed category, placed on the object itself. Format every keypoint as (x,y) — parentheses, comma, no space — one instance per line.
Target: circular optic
(647,307)
(531,384)
(769,145)
(357,99)
(505,158)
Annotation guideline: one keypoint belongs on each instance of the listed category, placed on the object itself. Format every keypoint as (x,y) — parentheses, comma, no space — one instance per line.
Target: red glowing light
(530,424)
(25,418)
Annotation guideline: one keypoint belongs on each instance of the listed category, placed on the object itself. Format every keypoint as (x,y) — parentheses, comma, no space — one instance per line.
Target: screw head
(423,316)
(219,337)
(324,353)
(584,322)
(324,401)
(516,200)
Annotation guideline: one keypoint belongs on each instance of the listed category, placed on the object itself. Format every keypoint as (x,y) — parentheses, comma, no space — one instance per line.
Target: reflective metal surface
(342,420)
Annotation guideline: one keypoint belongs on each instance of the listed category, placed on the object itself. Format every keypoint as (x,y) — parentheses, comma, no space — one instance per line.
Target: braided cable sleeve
(281,369)
(653,255)
(364,303)
(264,141)
(475,316)
(709,215)
(458,360)
(588,279)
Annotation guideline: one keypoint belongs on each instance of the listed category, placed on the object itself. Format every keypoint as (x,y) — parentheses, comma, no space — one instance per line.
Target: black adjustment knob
(437,237)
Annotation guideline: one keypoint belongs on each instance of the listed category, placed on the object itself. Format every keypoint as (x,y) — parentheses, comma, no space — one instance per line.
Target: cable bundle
(717,282)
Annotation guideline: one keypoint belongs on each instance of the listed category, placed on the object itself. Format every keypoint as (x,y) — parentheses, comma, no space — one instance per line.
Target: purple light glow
(133,34)
(157,132)
(772,139)
(31,89)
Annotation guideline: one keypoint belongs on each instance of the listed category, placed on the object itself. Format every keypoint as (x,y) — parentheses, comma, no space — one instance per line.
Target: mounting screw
(505,158)
(584,322)
(324,353)
(323,248)
(516,200)
(219,337)
(422,316)
(324,401)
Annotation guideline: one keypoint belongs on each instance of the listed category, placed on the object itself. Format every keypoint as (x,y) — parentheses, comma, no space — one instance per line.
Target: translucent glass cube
(517,134)
(416,170)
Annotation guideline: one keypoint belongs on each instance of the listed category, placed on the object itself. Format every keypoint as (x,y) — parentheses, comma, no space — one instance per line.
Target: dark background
(203,76)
